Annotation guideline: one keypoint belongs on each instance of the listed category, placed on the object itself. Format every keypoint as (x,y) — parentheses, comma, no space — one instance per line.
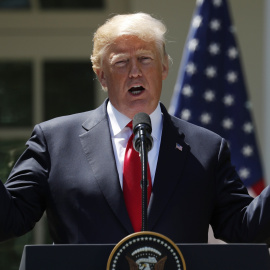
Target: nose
(135,69)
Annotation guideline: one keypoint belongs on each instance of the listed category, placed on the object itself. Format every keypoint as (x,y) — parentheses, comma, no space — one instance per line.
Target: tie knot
(129,125)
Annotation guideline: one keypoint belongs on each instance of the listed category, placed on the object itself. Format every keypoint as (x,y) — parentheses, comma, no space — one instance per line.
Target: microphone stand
(144,181)
(143,142)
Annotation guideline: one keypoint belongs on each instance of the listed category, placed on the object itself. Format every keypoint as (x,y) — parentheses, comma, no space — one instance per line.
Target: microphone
(142,143)
(142,129)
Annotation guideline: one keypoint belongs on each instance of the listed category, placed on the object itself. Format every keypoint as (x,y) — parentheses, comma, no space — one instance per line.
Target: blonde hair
(142,25)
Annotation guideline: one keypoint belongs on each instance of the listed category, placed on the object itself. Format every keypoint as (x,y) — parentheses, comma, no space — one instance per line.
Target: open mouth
(136,90)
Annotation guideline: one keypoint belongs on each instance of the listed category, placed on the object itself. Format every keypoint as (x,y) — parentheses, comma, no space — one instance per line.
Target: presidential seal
(146,251)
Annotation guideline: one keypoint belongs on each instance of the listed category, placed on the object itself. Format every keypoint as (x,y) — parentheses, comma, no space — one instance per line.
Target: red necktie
(132,177)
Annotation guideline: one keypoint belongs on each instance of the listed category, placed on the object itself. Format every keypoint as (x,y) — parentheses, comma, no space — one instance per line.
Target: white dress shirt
(120,135)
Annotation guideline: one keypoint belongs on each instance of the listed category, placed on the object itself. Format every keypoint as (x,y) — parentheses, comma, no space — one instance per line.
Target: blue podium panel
(226,257)
(65,257)
(196,256)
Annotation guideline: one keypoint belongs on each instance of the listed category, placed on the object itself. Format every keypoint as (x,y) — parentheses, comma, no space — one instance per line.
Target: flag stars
(209,95)
(214,49)
(247,151)
(187,91)
(227,123)
(228,100)
(185,114)
(244,173)
(215,25)
(205,118)
(232,29)
(222,97)
(191,68)
(248,105)
(231,77)
(232,53)
(217,3)
(196,22)
(211,72)
(193,44)
(248,127)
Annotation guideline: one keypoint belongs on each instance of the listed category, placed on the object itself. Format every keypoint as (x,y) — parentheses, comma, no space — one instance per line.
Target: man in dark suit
(72,167)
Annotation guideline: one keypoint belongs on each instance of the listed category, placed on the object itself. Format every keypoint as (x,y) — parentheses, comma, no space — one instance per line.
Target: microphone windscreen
(142,118)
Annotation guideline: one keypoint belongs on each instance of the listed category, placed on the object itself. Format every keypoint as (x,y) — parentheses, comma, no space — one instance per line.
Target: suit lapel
(97,145)
(172,156)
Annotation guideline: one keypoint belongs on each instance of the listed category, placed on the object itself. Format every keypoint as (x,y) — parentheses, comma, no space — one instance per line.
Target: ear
(101,77)
(165,67)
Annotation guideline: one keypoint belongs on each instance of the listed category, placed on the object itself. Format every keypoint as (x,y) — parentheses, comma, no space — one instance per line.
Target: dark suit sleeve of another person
(22,199)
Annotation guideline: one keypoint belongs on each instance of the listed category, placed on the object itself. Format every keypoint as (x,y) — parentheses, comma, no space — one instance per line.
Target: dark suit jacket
(69,170)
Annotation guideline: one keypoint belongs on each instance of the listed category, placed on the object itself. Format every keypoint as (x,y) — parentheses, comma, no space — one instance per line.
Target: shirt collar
(119,121)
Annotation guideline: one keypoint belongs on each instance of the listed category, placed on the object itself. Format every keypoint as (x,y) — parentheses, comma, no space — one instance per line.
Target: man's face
(132,71)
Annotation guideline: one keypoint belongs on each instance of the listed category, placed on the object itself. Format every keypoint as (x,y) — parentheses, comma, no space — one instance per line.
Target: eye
(121,63)
(146,59)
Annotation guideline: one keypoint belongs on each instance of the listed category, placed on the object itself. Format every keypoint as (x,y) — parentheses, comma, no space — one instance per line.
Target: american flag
(210,90)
